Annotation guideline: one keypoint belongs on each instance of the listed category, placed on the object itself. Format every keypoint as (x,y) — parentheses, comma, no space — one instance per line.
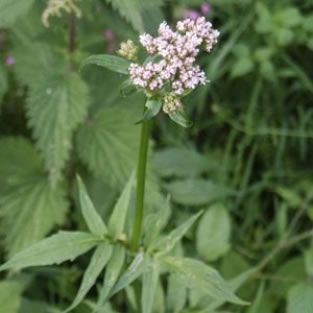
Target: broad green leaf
(98,262)
(53,250)
(180,117)
(182,162)
(118,218)
(213,233)
(149,285)
(112,273)
(135,270)
(10,296)
(91,216)
(29,206)
(47,62)
(108,143)
(10,11)
(55,108)
(166,244)
(197,191)
(110,62)
(176,294)
(300,299)
(196,275)
(153,108)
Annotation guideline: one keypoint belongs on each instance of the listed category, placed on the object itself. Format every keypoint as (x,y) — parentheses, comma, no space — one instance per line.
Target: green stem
(141,179)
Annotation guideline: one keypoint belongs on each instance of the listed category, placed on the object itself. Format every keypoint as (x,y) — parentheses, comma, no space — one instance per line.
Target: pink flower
(205,8)
(192,14)
(10,60)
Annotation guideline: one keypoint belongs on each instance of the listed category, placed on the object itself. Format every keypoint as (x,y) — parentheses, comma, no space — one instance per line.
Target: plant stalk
(141,180)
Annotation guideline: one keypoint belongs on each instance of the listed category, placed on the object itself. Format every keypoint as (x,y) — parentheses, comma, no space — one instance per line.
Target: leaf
(176,294)
(108,144)
(91,216)
(29,206)
(167,243)
(196,275)
(136,269)
(55,108)
(197,191)
(180,118)
(53,250)
(10,296)
(10,11)
(118,218)
(153,108)
(300,299)
(213,233)
(182,162)
(47,62)
(98,262)
(149,285)
(110,62)
(112,273)
(127,88)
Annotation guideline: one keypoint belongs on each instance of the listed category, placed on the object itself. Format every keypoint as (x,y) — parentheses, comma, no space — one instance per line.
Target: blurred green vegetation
(247,161)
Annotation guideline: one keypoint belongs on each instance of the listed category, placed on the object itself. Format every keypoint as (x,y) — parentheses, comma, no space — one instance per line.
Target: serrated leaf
(197,275)
(180,117)
(55,108)
(118,218)
(46,63)
(112,273)
(10,296)
(108,143)
(213,233)
(110,62)
(98,262)
(56,249)
(149,285)
(29,206)
(135,270)
(300,299)
(91,216)
(167,243)
(10,11)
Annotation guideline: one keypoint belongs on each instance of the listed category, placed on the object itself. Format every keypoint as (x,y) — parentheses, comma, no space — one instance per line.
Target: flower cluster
(128,50)
(177,51)
(55,7)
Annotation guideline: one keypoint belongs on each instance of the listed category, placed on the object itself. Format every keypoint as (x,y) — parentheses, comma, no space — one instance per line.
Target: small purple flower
(205,8)
(192,14)
(9,61)
(108,34)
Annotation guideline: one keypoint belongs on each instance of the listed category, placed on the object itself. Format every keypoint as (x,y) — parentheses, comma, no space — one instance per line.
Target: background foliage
(247,162)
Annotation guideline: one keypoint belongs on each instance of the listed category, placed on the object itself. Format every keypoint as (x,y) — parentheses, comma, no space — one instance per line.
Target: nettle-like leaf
(29,206)
(10,11)
(197,275)
(56,249)
(55,108)
(213,233)
(10,296)
(98,262)
(300,299)
(110,62)
(108,143)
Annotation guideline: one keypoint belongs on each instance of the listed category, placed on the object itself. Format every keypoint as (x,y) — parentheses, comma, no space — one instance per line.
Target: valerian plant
(123,253)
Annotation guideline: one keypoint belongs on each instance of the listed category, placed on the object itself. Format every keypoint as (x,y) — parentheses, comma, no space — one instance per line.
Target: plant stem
(141,179)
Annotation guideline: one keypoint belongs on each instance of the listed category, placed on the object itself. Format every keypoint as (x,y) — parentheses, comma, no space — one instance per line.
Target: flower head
(173,55)
(128,50)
